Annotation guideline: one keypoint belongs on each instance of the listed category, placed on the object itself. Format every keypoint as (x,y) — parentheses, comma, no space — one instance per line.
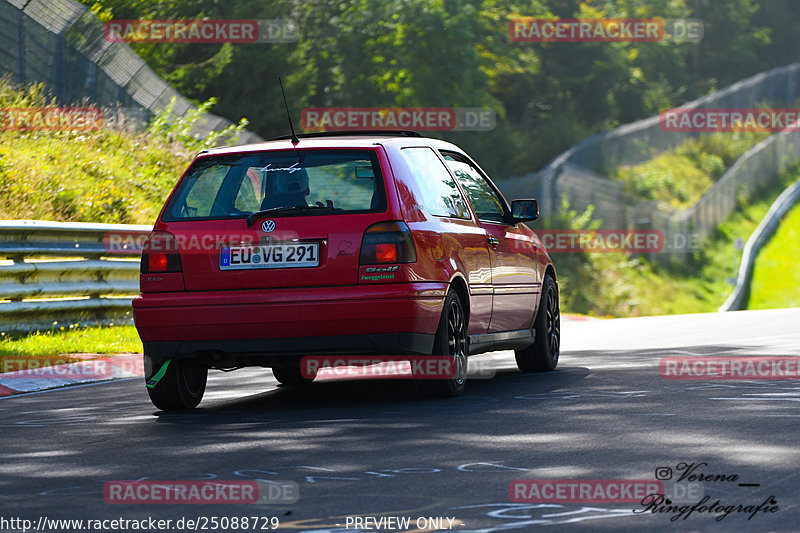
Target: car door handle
(493,240)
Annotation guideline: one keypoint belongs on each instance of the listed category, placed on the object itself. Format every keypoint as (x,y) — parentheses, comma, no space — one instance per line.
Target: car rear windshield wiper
(295,209)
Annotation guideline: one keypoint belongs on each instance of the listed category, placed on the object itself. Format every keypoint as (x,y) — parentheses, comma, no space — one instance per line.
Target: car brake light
(386,253)
(387,242)
(157,262)
(160,254)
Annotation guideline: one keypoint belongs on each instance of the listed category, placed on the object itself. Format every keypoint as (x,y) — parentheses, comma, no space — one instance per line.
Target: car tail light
(160,254)
(387,242)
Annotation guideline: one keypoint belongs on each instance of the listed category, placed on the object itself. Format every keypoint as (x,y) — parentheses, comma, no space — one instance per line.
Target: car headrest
(289,182)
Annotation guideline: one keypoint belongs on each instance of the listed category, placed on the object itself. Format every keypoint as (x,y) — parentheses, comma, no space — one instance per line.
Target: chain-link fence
(578,174)
(61,43)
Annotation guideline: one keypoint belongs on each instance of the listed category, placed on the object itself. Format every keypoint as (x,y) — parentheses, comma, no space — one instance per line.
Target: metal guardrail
(55,274)
(757,240)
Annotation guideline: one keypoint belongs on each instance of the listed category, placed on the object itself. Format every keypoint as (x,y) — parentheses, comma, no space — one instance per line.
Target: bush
(591,283)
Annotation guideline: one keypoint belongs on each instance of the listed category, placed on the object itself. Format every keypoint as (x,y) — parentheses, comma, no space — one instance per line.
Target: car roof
(339,141)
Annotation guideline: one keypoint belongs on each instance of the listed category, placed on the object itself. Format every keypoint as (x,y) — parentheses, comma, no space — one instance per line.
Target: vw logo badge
(268,226)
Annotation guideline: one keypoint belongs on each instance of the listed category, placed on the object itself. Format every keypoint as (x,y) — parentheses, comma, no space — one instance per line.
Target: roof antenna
(295,140)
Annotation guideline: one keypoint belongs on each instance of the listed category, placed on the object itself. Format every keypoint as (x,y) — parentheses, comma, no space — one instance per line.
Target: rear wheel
(181,387)
(542,355)
(291,375)
(451,340)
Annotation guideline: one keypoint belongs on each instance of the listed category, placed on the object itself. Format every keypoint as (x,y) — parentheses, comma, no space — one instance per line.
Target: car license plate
(292,255)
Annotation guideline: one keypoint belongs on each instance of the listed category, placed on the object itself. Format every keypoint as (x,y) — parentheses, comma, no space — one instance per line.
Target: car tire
(542,355)
(291,375)
(181,388)
(451,339)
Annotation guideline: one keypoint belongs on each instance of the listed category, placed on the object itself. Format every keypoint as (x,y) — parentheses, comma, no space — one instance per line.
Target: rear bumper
(387,319)
(265,350)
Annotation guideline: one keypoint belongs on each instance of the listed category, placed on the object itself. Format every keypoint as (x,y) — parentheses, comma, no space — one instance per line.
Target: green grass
(776,276)
(94,339)
(99,177)
(95,176)
(679,178)
(58,347)
(108,175)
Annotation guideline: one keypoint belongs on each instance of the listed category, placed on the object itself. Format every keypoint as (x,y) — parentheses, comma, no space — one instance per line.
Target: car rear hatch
(291,218)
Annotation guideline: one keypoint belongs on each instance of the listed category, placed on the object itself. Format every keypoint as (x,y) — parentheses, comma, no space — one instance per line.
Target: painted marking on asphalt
(750,399)
(570,395)
(529,514)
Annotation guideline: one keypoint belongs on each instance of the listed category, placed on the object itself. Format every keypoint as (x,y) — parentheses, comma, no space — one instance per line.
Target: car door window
(487,204)
(439,193)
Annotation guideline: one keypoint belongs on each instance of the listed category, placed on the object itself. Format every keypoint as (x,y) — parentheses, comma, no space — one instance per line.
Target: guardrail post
(17,259)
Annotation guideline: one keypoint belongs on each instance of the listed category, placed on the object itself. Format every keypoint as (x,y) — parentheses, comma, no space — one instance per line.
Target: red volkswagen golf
(365,243)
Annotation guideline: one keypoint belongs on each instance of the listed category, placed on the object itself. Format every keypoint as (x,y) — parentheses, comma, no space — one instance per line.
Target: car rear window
(231,186)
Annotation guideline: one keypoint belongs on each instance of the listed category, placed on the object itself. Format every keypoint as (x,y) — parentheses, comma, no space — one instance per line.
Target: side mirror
(524,210)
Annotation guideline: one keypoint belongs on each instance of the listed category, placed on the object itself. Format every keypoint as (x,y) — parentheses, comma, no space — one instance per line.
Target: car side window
(439,193)
(485,201)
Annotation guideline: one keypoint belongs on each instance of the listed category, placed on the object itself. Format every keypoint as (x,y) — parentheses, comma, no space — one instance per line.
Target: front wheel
(450,340)
(542,355)
(181,386)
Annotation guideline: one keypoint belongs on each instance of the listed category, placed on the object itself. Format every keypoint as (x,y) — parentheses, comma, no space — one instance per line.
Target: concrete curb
(80,373)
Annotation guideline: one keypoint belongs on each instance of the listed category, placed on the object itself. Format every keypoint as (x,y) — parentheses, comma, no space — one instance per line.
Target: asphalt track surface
(374,449)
